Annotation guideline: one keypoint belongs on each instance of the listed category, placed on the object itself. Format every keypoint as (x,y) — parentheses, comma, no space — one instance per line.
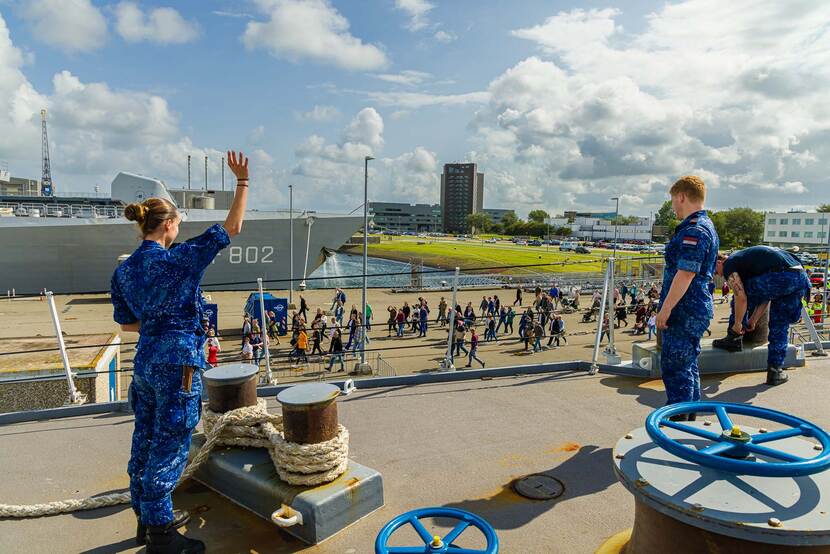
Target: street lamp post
(291,244)
(365,248)
(616,223)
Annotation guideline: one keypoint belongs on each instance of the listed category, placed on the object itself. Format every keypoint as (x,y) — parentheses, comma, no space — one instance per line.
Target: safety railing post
(595,358)
(74,396)
(816,338)
(263,329)
(611,350)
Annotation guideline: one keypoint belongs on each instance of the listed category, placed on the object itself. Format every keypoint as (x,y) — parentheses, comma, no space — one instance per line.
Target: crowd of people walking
(338,331)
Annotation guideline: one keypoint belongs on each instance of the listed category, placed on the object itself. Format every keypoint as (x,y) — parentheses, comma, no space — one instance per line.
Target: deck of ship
(442,444)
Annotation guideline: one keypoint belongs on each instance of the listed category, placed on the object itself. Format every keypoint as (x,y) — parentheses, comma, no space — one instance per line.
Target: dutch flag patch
(690,241)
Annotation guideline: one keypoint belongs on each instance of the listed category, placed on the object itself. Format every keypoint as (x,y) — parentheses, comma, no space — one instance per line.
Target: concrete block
(246,476)
(715,360)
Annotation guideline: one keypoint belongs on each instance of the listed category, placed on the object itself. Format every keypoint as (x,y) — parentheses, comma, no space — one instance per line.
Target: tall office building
(462,194)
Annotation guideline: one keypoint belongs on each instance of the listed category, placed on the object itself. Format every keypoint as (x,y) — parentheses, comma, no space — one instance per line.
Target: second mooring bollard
(309,412)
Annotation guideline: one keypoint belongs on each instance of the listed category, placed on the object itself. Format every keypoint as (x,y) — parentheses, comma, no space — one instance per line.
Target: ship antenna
(46,177)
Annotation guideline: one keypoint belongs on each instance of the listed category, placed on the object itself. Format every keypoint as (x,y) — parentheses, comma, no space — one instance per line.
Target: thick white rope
(253,426)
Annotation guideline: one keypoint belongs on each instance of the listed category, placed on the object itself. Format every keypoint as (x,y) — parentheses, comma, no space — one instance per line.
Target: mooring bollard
(231,386)
(309,412)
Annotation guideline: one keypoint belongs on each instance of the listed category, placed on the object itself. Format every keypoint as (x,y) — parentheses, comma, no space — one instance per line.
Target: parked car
(535,243)
(491,240)
(567,246)
(582,250)
(817,279)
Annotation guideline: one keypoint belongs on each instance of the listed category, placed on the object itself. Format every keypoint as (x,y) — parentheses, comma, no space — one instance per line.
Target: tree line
(737,227)
(513,225)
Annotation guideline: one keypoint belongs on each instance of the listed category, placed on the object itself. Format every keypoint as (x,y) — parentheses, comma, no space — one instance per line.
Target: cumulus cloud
(71,25)
(95,130)
(418,12)
(159,25)
(311,30)
(335,169)
(320,113)
(730,91)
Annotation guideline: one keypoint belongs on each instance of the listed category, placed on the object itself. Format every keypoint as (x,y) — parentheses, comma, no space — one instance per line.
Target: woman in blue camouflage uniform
(685,301)
(155,292)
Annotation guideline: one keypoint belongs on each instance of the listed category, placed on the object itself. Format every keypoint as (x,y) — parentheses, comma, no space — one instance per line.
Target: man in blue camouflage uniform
(156,292)
(764,278)
(685,301)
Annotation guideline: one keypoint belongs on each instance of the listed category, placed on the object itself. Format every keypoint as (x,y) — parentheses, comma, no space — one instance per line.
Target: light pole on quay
(365,254)
(291,245)
(616,223)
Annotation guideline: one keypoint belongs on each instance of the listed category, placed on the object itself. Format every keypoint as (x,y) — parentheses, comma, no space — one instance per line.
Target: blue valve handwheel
(717,455)
(466,519)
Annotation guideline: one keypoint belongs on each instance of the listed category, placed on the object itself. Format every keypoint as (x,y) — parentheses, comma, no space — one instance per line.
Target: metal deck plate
(539,487)
(741,506)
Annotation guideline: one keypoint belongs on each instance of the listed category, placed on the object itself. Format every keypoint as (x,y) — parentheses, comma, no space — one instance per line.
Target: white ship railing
(27,209)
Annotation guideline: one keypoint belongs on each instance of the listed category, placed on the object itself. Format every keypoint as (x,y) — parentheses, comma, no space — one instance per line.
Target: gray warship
(72,244)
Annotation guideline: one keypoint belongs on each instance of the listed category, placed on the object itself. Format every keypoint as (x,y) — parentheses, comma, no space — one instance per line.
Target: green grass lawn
(470,255)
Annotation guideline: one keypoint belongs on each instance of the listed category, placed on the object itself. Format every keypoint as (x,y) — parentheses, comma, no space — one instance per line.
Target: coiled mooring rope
(252,426)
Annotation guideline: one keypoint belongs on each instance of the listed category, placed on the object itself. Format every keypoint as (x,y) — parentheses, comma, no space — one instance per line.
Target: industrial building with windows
(787,229)
(403,217)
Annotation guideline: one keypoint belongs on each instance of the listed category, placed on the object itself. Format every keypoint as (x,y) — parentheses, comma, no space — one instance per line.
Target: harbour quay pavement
(87,314)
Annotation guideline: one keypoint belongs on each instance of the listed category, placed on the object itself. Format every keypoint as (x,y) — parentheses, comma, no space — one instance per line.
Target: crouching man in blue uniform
(685,301)
(155,292)
(763,278)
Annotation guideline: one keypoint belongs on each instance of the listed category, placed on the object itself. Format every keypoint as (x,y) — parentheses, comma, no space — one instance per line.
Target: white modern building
(786,229)
(594,228)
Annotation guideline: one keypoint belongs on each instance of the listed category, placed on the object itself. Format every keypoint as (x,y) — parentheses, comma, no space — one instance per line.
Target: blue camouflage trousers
(165,416)
(678,364)
(783,290)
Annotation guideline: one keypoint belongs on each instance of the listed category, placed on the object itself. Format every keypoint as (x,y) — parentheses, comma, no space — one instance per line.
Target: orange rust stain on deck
(565,447)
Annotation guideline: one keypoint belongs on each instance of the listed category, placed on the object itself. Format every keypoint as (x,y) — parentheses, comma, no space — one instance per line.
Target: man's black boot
(732,342)
(180,517)
(776,376)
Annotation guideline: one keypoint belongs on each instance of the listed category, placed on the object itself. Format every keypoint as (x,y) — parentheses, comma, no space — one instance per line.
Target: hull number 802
(251,254)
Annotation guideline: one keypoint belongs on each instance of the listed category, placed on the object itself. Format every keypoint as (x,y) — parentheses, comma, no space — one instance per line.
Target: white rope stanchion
(251,426)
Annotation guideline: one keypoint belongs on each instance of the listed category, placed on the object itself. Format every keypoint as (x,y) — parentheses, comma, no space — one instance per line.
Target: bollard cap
(309,394)
(231,374)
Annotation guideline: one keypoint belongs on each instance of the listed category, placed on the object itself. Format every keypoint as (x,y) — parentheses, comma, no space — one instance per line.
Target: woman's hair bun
(136,212)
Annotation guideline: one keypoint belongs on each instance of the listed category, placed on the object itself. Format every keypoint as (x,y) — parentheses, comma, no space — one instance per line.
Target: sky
(563,105)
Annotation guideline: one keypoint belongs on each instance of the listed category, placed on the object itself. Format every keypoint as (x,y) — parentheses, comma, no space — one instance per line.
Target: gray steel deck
(443,444)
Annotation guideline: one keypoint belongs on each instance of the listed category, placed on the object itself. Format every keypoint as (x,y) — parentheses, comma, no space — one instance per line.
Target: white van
(568,246)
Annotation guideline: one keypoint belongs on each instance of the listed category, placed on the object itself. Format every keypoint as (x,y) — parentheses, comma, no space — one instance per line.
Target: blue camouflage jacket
(694,248)
(160,288)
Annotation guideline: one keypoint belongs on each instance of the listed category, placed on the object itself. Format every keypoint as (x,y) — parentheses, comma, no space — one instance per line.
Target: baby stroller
(590,315)
(568,306)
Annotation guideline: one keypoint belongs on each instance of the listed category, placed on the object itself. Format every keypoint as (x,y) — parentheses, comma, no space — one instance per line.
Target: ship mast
(46,177)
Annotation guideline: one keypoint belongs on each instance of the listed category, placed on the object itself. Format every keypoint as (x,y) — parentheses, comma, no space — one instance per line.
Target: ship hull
(79,255)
